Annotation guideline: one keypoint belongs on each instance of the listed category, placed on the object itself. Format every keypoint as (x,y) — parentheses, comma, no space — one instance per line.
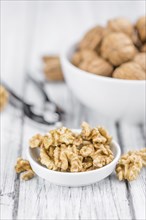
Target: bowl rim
(45,169)
(64,57)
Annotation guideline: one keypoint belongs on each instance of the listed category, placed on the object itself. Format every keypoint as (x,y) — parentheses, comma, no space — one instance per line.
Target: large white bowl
(115,98)
(73,179)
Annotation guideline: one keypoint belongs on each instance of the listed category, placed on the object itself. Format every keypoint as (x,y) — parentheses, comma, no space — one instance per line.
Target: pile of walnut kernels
(117,50)
(63,150)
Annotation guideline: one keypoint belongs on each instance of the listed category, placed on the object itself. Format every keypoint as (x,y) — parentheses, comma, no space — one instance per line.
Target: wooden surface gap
(119,137)
(143,132)
(17,178)
(129,198)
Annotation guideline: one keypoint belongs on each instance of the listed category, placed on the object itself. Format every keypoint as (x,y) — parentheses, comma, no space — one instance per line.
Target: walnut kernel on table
(63,150)
(117,48)
(129,71)
(24,166)
(142,154)
(52,68)
(130,165)
(3,97)
(141,27)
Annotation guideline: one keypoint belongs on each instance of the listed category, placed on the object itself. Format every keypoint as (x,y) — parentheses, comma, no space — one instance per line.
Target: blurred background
(31,29)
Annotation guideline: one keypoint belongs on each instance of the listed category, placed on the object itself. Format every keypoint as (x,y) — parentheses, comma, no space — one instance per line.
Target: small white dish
(73,179)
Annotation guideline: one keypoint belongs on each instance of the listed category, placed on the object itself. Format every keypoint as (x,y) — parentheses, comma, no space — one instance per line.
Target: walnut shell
(141,27)
(136,40)
(92,38)
(97,66)
(140,58)
(121,25)
(143,48)
(117,48)
(129,70)
(82,55)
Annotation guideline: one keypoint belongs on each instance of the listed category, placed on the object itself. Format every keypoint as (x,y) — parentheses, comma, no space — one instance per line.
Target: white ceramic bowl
(114,98)
(73,179)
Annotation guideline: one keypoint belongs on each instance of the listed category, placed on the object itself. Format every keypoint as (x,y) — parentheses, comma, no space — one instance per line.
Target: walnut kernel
(130,165)
(63,150)
(22,166)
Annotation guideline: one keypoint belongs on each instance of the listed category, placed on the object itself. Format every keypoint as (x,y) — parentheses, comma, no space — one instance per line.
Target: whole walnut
(121,25)
(140,58)
(129,70)
(141,27)
(124,25)
(82,55)
(97,66)
(92,38)
(117,48)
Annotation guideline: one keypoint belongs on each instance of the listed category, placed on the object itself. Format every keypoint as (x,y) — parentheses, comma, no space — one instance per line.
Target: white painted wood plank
(116,191)
(12,69)
(14,41)
(11,126)
(56,26)
(49,197)
(132,137)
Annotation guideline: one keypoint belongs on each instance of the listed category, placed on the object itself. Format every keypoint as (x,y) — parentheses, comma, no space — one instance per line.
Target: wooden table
(38,199)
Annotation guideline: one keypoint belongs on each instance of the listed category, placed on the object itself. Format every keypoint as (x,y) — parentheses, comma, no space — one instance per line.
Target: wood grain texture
(132,138)
(108,199)
(98,201)
(10,142)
